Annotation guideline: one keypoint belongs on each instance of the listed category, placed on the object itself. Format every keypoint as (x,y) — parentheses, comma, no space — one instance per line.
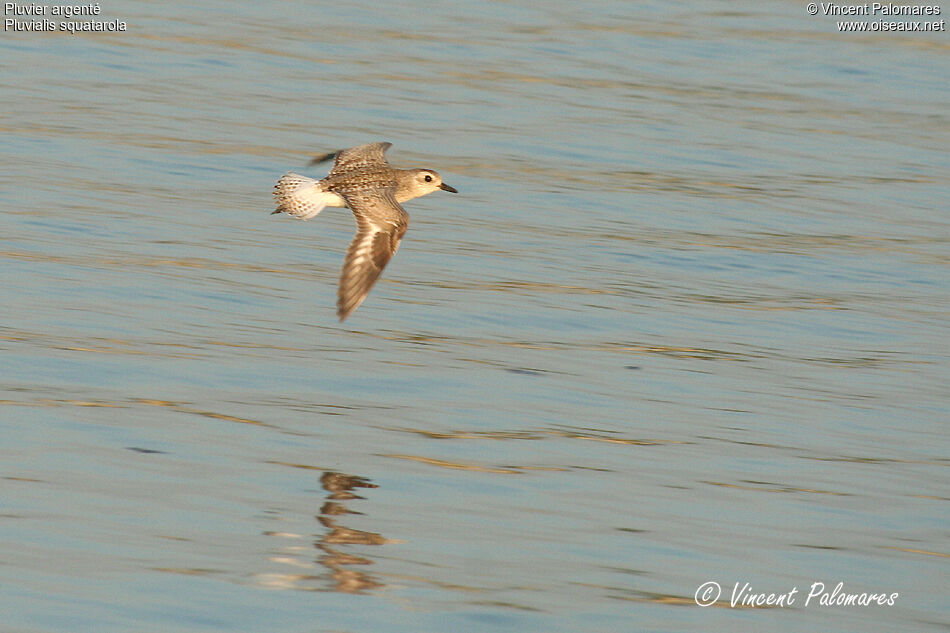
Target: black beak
(445,187)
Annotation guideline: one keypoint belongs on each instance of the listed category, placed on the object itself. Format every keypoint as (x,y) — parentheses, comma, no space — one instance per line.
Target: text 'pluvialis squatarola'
(362,180)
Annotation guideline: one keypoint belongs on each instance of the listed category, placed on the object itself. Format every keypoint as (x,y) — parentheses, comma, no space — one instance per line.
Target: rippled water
(686,321)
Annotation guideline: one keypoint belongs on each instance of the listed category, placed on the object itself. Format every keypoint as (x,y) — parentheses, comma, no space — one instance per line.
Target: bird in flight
(362,180)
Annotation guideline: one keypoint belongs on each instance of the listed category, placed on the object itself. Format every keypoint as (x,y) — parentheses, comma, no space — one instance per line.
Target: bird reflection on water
(338,563)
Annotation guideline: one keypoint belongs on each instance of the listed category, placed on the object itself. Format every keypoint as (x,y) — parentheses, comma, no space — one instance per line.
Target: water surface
(685,321)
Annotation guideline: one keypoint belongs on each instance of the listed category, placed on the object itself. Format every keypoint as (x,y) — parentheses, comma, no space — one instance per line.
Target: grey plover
(362,180)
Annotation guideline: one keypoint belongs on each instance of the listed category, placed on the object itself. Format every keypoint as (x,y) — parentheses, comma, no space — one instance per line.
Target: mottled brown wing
(360,156)
(380,225)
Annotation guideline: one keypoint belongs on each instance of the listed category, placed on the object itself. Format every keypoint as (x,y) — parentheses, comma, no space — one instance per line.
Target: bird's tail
(300,196)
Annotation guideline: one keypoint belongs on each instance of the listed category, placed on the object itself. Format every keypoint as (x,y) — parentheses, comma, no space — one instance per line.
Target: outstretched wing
(360,156)
(380,225)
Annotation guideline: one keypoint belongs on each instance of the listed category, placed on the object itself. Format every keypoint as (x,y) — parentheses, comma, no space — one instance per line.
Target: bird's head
(422,182)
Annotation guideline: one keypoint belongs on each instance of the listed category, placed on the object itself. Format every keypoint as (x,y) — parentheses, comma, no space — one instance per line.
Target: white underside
(303,197)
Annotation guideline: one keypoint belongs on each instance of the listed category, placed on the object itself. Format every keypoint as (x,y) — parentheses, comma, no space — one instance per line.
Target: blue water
(686,321)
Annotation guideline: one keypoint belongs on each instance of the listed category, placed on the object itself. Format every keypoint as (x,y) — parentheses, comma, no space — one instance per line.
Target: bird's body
(362,180)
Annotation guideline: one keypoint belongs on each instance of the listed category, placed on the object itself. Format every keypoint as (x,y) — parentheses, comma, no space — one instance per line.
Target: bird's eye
(428,178)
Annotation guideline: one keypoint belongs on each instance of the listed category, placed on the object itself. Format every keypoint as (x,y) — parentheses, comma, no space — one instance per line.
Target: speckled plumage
(362,180)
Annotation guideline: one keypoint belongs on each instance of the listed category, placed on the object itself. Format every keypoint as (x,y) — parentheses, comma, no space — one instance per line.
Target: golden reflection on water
(918,551)
(680,601)
(764,486)
(457,465)
(110,345)
(177,406)
(534,435)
